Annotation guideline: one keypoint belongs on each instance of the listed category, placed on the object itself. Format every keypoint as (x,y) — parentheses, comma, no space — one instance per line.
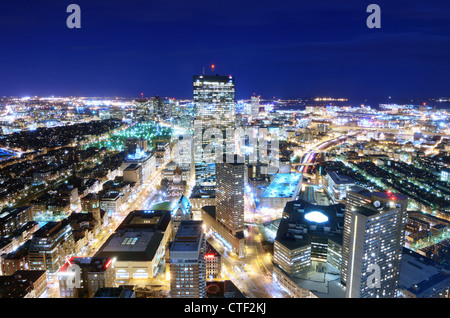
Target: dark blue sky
(274,48)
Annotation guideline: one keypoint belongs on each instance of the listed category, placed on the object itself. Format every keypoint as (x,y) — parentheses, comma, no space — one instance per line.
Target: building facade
(187,262)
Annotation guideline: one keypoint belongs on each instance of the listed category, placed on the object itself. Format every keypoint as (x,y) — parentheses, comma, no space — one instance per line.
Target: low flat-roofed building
(421,277)
(111,202)
(11,287)
(133,174)
(15,260)
(137,253)
(284,188)
(337,185)
(309,239)
(38,280)
(145,159)
(12,219)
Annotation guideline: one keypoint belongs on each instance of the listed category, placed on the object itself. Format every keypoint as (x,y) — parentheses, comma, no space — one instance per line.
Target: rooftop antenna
(212,68)
(203,73)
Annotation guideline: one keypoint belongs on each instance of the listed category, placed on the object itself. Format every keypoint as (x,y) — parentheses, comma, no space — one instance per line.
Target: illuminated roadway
(253,273)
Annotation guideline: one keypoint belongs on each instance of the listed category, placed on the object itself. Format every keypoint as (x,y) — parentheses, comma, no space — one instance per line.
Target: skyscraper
(375,246)
(214,99)
(356,196)
(230,178)
(187,262)
(214,103)
(254,107)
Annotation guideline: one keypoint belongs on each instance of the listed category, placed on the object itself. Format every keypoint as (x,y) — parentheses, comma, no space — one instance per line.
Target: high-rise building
(375,246)
(254,107)
(356,196)
(187,261)
(214,99)
(230,182)
(214,103)
(161,109)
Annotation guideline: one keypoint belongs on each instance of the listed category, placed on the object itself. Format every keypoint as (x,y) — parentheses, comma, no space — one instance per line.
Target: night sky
(277,48)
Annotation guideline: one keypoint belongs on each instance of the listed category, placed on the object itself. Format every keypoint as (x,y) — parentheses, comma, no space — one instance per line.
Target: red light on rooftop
(108,263)
(210,256)
(69,260)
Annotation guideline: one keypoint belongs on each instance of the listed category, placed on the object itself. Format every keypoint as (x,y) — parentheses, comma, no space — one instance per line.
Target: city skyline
(241,150)
(286,50)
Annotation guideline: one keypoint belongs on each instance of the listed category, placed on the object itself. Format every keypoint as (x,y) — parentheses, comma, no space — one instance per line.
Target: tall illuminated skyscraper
(375,246)
(230,178)
(214,99)
(356,196)
(214,102)
(187,262)
(254,107)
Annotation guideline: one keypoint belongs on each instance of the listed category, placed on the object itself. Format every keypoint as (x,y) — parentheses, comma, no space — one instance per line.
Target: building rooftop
(131,245)
(162,206)
(283,186)
(92,264)
(50,228)
(132,167)
(31,275)
(340,178)
(188,237)
(150,220)
(322,284)
(110,195)
(360,190)
(305,220)
(9,212)
(203,192)
(419,274)
(390,196)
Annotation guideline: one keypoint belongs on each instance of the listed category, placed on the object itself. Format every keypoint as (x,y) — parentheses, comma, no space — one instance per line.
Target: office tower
(375,246)
(144,108)
(93,273)
(161,109)
(214,99)
(356,196)
(187,261)
(214,103)
(254,107)
(230,178)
